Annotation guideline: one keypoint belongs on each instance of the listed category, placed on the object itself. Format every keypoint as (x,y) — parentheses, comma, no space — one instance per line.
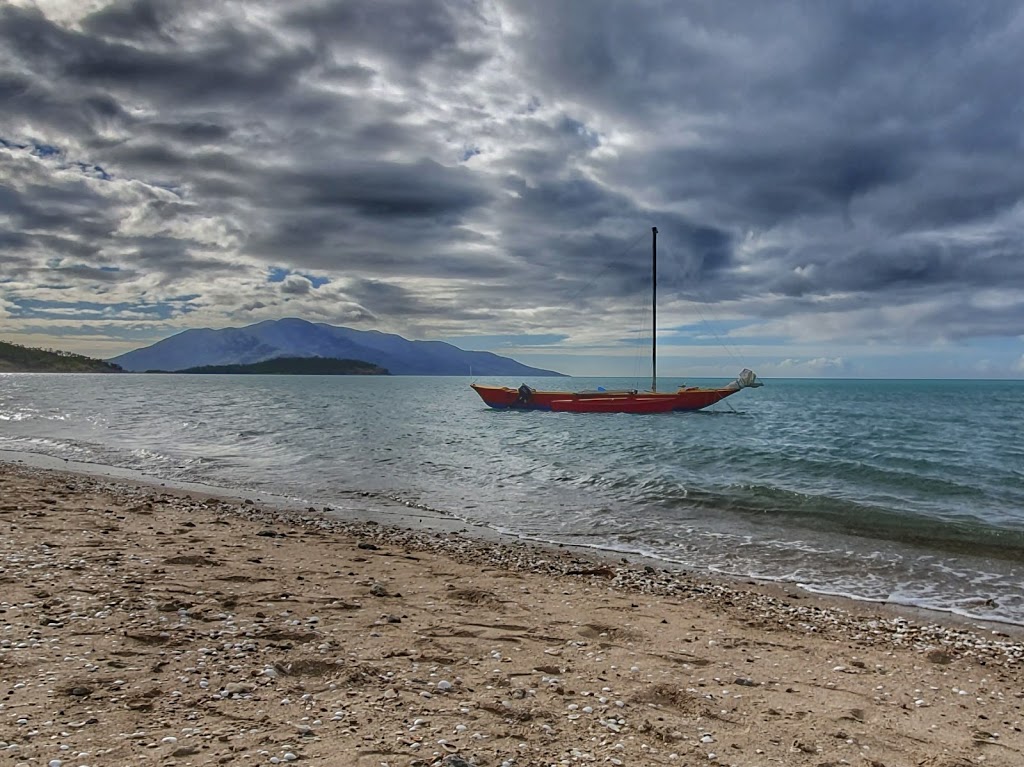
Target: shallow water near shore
(910,492)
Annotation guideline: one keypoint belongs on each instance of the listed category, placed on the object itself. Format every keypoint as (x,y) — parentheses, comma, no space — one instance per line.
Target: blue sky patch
(278,274)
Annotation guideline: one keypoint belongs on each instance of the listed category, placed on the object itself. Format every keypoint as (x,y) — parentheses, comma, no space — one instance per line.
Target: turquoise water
(905,491)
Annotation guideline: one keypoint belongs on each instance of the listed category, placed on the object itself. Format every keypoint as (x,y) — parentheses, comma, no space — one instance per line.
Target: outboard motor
(525,393)
(746,379)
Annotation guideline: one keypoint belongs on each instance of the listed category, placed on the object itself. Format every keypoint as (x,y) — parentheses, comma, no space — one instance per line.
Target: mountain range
(294,337)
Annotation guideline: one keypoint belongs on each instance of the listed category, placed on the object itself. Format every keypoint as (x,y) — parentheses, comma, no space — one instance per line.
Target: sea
(905,492)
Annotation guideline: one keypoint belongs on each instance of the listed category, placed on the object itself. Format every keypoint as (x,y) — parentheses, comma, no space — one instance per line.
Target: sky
(838,186)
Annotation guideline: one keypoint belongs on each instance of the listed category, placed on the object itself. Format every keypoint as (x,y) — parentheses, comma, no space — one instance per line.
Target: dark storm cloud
(591,262)
(767,183)
(514,155)
(726,64)
(339,240)
(229,63)
(382,300)
(389,190)
(68,247)
(190,132)
(408,33)
(175,259)
(919,266)
(13,85)
(91,274)
(139,20)
(69,209)
(13,240)
(849,114)
(162,159)
(13,266)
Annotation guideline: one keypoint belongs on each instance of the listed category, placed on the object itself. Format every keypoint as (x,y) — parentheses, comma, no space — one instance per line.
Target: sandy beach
(140,626)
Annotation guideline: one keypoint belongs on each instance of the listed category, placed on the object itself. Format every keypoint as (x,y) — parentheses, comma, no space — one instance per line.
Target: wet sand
(146,627)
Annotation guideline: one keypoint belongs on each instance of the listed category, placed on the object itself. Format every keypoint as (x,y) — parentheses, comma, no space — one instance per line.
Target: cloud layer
(827,178)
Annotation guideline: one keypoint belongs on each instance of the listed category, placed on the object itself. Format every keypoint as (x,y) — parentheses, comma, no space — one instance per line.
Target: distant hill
(299,338)
(300,366)
(15,358)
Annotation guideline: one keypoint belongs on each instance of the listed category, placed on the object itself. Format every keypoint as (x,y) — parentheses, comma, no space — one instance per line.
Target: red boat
(686,398)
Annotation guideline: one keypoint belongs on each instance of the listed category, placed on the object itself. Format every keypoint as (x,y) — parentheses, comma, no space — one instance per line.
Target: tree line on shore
(15,358)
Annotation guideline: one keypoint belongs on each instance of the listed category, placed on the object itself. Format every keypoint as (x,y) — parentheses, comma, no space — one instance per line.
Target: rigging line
(608,265)
(600,273)
(728,348)
(640,354)
(724,345)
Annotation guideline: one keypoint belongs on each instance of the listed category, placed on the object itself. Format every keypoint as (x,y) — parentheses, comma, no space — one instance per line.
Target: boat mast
(654,308)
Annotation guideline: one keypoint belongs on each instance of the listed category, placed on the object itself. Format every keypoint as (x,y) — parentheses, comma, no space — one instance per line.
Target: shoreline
(145,625)
(384,510)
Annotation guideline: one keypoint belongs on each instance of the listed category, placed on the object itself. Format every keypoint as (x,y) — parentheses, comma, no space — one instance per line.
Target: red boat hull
(637,404)
(690,398)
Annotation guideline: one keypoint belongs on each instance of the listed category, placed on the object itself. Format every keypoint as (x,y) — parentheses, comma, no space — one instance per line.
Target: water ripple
(911,492)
